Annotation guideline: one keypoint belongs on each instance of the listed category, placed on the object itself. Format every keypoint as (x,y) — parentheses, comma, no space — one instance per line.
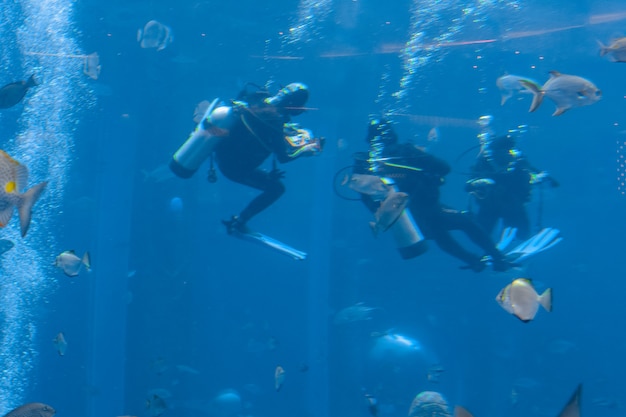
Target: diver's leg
(272,188)
(487,216)
(516,216)
(448,244)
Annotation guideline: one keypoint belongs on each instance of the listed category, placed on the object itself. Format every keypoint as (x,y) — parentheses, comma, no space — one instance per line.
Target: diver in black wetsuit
(251,131)
(420,174)
(501,183)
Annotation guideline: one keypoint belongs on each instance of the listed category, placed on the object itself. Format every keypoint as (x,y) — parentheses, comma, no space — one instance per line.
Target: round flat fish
(154,35)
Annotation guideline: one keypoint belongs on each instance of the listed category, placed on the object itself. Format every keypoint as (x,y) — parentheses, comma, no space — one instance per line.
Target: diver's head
(503,150)
(290,99)
(383,130)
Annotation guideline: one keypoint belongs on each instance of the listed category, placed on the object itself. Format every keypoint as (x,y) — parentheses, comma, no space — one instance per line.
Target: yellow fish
(279,377)
(13,179)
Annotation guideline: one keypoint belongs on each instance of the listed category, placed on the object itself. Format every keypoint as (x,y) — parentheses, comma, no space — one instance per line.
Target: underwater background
(177,309)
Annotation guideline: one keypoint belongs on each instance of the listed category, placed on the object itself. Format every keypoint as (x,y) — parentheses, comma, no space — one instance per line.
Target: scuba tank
(410,241)
(201,142)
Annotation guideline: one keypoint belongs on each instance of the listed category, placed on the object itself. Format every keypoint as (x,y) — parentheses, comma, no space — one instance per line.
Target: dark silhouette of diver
(501,183)
(253,127)
(420,175)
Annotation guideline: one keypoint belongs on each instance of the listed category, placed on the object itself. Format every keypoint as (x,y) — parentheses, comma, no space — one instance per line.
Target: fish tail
(31,81)
(26,203)
(545,300)
(537,94)
(603,49)
(86,260)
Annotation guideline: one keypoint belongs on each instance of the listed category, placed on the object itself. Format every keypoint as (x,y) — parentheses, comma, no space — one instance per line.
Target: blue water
(174,304)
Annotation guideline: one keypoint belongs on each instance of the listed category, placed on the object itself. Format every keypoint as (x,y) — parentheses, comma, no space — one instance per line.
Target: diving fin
(507,236)
(542,241)
(264,240)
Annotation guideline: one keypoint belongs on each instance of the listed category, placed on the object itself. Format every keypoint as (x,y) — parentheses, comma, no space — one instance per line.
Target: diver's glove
(541,177)
(479,187)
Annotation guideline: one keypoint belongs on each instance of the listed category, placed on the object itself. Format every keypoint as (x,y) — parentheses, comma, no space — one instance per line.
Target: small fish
(279,378)
(13,179)
(567,91)
(433,135)
(356,312)
(389,211)
(155,35)
(372,404)
(520,299)
(200,110)
(70,263)
(32,410)
(616,50)
(371,185)
(434,372)
(60,343)
(13,93)
(510,86)
(606,402)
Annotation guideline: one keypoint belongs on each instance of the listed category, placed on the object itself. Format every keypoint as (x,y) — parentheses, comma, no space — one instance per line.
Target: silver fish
(509,86)
(60,343)
(389,211)
(616,50)
(520,299)
(155,35)
(356,312)
(371,185)
(13,93)
(13,179)
(71,264)
(32,410)
(567,91)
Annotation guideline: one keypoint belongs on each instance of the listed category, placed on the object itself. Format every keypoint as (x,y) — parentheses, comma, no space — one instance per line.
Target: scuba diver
(501,183)
(419,174)
(241,136)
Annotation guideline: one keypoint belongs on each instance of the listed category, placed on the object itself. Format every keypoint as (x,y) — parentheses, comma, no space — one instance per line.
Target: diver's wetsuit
(255,135)
(506,199)
(420,175)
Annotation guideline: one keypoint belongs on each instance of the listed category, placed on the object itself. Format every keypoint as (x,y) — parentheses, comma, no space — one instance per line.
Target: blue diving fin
(542,241)
(264,240)
(508,234)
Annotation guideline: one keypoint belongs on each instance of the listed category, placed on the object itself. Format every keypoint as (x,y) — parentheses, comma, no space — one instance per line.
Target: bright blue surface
(174,303)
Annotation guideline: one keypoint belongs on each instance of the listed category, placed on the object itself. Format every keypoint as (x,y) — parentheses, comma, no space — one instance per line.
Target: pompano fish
(32,410)
(389,211)
(567,91)
(521,299)
(279,377)
(13,93)
(509,86)
(616,50)
(13,179)
(70,263)
(60,343)
(371,185)
(155,35)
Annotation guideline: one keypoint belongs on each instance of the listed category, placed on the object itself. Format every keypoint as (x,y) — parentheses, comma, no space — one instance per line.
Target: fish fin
(461,412)
(5,216)
(505,97)
(86,260)
(560,110)
(537,94)
(75,274)
(545,300)
(25,206)
(139,33)
(555,74)
(572,408)
(374,229)
(31,82)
